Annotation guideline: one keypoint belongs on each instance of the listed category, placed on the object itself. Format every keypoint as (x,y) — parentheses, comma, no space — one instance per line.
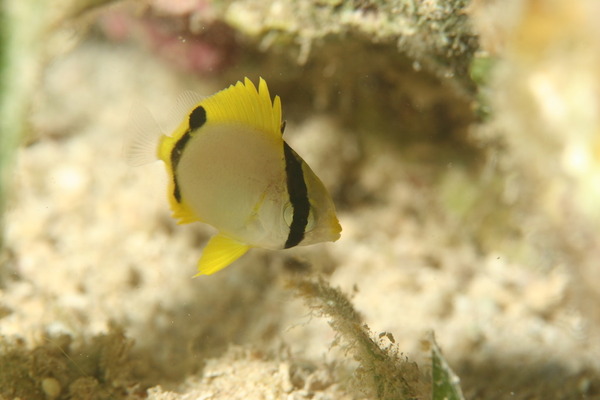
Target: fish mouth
(336,229)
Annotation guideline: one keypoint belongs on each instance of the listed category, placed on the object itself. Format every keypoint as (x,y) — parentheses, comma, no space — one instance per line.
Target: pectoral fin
(219,253)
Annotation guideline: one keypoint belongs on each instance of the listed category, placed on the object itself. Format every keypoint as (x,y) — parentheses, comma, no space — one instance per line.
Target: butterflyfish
(228,166)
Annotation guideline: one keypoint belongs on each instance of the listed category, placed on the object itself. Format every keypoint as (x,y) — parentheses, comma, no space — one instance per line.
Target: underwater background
(460,141)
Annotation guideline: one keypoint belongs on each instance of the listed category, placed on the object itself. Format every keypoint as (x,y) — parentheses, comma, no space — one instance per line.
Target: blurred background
(459,139)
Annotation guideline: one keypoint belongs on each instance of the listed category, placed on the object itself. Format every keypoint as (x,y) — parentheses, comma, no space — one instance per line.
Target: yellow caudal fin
(219,253)
(243,103)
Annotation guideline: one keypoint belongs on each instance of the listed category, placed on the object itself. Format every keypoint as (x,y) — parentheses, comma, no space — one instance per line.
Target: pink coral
(210,51)
(208,47)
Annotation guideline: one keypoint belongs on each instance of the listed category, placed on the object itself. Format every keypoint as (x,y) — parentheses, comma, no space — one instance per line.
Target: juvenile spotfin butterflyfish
(228,166)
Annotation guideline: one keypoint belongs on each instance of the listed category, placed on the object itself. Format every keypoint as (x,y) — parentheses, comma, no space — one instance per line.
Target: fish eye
(288,217)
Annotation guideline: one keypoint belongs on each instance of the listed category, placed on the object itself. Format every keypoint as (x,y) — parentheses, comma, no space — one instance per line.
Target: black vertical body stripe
(196,119)
(298,196)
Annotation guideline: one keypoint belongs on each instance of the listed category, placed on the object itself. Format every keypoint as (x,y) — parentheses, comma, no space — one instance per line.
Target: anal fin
(220,252)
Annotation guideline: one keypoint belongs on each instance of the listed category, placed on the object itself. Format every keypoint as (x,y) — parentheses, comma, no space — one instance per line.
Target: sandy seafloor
(91,246)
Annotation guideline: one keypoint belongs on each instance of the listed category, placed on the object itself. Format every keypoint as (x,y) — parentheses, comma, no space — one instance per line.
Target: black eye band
(298,196)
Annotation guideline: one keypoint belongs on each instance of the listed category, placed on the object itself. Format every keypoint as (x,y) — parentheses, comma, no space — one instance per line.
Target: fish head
(323,225)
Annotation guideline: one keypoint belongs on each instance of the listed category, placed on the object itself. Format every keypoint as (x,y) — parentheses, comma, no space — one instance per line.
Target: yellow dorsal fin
(243,103)
(240,103)
(219,253)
